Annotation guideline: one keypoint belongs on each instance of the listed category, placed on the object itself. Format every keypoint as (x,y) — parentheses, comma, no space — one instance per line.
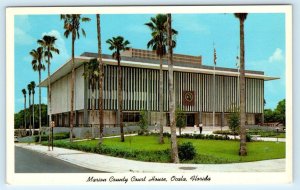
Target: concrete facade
(61,92)
(141,92)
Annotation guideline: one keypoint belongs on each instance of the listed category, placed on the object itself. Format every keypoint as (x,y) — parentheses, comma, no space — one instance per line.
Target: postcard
(131,95)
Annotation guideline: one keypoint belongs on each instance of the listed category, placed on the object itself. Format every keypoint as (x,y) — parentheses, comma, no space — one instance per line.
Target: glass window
(131,117)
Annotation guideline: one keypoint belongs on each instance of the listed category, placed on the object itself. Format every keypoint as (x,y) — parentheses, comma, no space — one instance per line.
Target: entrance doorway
(190,119)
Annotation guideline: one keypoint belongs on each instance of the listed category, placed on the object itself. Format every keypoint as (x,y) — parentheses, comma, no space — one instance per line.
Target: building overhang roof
(67,68)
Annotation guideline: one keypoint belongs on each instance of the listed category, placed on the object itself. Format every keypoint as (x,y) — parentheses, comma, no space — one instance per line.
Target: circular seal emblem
(189,97)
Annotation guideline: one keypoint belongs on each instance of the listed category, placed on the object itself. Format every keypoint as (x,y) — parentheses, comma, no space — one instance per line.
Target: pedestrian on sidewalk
(200,127)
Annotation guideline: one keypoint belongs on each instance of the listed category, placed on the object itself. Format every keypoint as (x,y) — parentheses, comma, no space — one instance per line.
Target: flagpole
(214,97)
(214,88)
(238,82)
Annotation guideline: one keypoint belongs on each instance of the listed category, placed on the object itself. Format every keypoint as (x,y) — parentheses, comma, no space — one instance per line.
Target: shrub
(248,138)
(199,136)
(211,136)
(143,123)
(234,121)
(186,151)
(186,135)
(225,132)
(180,119)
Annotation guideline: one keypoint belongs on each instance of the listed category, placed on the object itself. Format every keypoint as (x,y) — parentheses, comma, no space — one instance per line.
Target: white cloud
(22,38)
(22,21)
(274,89)
(21,35)
(142,29)
(194,25)
(27,59)
(276,56)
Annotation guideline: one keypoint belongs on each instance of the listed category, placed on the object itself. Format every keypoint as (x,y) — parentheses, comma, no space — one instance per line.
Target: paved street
(28,161)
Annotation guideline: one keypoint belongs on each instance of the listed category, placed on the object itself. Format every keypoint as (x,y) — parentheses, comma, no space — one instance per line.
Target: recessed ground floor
(132,118)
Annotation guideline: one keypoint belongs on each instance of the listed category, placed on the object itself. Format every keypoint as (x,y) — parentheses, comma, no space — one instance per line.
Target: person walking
(200,127)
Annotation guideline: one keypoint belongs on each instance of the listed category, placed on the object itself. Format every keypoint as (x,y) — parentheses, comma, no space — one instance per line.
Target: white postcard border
(216,178)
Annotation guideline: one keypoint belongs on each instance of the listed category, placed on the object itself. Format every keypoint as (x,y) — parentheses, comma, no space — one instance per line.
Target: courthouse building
(193,87)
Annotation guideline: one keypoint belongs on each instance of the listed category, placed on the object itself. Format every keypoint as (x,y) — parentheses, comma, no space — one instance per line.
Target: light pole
(277,129)
(52,125)
(52,134)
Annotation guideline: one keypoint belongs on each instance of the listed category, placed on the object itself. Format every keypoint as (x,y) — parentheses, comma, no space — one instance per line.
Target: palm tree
(174,147)
(243,149)
(24,94)
(37,65)
(119,44)
(48,43)
(29,88)
(92,74)
(101,74)
(158,43)
(72,26)
(33,92)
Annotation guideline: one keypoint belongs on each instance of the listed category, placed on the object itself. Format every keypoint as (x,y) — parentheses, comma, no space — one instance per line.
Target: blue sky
(264,43)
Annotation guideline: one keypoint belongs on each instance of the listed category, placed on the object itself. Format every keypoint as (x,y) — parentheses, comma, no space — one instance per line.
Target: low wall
(88,132)
(266,128)
(27,139)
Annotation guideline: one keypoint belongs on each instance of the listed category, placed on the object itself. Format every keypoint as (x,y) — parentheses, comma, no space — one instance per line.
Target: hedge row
(56,136)
(153,156)
(201,136)
(192,136)
(225,132)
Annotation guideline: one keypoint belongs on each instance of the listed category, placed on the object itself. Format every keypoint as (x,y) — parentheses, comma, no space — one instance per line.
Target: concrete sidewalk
(209,131)
(120,165)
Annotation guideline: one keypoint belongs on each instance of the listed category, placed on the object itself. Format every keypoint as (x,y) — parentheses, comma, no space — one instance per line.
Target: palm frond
(85,19)
(24,92)
(66,33)
(83,32)
(158,26)
(55,50)
(62,17)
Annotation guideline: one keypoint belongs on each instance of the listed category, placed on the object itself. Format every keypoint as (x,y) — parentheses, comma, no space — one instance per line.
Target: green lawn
(146,148)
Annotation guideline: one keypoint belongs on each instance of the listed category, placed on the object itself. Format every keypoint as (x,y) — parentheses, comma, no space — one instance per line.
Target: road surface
(28,161)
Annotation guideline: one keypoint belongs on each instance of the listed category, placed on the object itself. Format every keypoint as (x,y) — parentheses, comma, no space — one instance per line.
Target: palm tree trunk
(120,114)
(93,104)
(33,113)
(161,131)
(72,88)
(100,86)
(25,114)
(174,147)
(40,112)
(30,126)
(49,95)
(161,140)
(243,148)
(93,110)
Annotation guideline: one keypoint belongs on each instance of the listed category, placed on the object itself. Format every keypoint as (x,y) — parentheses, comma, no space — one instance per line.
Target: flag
(237,62)
(215,56)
